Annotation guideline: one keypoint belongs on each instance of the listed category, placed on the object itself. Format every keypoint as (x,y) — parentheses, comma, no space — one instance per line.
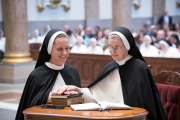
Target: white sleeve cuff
(87,95)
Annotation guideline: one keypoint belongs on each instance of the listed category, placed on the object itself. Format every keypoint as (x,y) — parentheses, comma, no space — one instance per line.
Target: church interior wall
(173,11)
(76,15)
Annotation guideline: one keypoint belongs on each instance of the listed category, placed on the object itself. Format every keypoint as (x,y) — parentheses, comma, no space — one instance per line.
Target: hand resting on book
(66,89)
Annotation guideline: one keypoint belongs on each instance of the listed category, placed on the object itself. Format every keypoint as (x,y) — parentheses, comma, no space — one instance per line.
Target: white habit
(149,51)
(171,52)
(82,49)
(2,44)
(59,80)
(109,89)
(39,39)
(95,50)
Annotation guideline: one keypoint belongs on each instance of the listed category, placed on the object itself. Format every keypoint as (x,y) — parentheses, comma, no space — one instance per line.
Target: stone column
(158,9)
(16,65)
(121,13)
(16,31)
(92,13)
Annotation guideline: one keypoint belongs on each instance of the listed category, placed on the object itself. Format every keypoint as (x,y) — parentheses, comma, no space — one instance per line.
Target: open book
(100,106)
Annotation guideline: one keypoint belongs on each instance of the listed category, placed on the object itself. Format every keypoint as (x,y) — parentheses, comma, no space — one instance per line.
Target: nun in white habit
(50,73)
(79,48)
(149,50)
(93,48)
(127,79)
(168,51)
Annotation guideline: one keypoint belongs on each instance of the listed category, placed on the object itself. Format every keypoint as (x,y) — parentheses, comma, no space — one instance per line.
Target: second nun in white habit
(149,50)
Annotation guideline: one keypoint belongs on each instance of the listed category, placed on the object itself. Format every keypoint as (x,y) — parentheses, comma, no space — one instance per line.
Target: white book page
(86,106)
(108,105)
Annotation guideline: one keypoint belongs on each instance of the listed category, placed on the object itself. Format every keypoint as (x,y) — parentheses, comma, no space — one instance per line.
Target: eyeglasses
(115,48)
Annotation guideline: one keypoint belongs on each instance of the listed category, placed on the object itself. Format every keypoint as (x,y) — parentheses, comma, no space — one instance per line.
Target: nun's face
(118,52)
(146,41)
(60,51)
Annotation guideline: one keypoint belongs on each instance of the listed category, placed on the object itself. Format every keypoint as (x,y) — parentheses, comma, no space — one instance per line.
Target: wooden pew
(89,66)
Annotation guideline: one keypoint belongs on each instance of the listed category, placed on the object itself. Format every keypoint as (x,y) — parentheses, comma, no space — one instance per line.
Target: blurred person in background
(72,41)
(147,28)
(96,29)
(81,30)
(37,37)
(140,40)
(88,35)
(2,45)
(178,46)
(165,27)
(168,51)
(149,50)
(153,32)
(73,38)
(99,35)
(103,42)
(93,48)
(165,19)
(47,29)
(174,40)
(177,29)
(79,48)
(66,28)
(159,36)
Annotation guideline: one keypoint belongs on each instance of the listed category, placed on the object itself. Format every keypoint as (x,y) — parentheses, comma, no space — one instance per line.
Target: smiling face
(118,54)
(60,51)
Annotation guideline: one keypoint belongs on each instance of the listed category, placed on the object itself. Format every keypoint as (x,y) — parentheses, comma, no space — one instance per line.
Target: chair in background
(170,98)
(167,77)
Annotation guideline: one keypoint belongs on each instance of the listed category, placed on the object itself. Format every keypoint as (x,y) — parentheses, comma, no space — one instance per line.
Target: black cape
(138,86)
(40,83)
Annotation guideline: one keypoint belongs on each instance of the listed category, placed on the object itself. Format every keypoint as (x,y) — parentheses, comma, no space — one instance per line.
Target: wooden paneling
(89,66)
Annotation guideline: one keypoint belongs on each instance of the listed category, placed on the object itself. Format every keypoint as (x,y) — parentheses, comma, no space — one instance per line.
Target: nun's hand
(68,89)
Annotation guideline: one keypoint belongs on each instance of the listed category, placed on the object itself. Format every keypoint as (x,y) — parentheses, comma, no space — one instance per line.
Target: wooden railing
(89,66)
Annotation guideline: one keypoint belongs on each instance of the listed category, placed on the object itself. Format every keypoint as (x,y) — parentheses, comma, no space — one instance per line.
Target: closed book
(66,102)
(66,96)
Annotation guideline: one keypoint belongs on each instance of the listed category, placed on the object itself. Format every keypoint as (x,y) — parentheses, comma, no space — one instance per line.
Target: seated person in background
(106,51)
(47,29)
(37,38)
(168,51)
(149,50)
(79,48)
(141,43)
(88,35)
(50,73)
(103,42)
(127,79)
(93,48)
(160,36)
(2,42)
(178,46)
(174,40)
(66,28)
(73,38)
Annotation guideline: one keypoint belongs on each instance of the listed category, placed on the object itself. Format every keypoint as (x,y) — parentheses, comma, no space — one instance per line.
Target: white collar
(122,62)
(53,66)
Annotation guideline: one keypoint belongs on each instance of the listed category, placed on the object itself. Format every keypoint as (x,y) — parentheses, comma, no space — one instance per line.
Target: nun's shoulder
(112,64)
(138,63)
(69,67)
(39,70)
